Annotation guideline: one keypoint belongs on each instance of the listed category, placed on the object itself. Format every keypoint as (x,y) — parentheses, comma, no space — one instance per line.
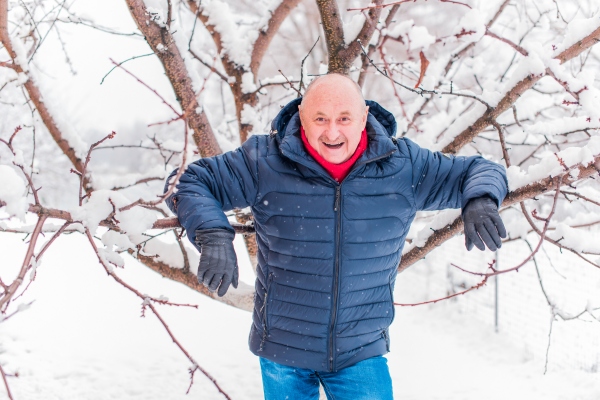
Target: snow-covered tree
(100,102)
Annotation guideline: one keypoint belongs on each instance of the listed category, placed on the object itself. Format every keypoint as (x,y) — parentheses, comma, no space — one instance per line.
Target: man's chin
(335,156)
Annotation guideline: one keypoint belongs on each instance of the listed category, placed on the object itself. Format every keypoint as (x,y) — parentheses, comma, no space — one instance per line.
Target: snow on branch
(341,55)
(20,66)
(513,94)
(585,168)
(163,44)
(242,52)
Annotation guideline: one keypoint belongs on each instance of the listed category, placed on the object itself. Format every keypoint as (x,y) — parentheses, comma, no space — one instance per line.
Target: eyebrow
(342,113)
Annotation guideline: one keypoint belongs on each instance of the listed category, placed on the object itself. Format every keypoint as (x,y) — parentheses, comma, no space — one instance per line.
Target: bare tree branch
(341,56)
(6,383)
(162,43)
(265,36)
(10,292)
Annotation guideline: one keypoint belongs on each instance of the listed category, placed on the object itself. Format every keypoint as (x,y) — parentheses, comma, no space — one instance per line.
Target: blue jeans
(367,380)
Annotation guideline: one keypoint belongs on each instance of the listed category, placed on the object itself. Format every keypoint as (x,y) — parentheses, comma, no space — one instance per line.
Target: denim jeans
(367,380)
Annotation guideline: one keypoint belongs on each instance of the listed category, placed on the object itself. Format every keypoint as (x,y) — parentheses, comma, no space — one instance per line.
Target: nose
(333,130)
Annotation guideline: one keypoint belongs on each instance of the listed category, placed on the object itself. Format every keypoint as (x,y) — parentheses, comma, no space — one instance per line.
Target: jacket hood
(380,114)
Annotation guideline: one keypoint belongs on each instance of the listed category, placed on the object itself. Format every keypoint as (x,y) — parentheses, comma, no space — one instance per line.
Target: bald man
(333,193)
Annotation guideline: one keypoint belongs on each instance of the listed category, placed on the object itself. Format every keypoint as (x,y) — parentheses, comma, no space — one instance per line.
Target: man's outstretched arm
(474,184)
(206,189)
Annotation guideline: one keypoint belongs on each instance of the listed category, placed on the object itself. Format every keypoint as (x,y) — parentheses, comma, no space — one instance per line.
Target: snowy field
(83,338)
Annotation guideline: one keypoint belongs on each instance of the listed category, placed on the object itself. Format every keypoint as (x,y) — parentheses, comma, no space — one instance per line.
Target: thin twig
(480,284)
(301,85)
(6,383)
(147,302)
(117,65)
(371,6)
(83,173)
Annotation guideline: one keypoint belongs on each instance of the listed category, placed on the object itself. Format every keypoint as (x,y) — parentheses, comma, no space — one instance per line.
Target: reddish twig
(59,232)
(165,102)
(147,301)
(10,292)
(34,93)
(502,143)
(173,181)
(6,383)
(508,42)
(480,284)
(372,6)
(581,197)
(85,164)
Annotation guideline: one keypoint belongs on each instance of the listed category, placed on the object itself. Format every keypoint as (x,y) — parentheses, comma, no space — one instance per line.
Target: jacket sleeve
(445,181)
(210,186)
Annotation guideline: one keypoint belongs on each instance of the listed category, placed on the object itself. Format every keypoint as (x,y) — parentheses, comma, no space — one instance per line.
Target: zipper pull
(336,206)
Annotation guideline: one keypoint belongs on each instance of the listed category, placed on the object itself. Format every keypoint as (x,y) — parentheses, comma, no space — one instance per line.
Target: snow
(248,85)
(574,238)
(353,27)
(72,343)
(251,116)
(12,187)
(550,165)
(236,39)
(417,36)
(157,16)
(82,336)
(577,29)
(99,206)
(561,126)
(473,21)
(420,38)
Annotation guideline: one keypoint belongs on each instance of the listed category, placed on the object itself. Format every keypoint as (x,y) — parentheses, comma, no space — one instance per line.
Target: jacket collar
(381,128)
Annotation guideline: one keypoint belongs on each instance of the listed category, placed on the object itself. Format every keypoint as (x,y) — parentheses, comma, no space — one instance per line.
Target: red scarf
(337,171)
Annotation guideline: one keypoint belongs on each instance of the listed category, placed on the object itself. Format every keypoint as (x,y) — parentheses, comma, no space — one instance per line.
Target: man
(333,194)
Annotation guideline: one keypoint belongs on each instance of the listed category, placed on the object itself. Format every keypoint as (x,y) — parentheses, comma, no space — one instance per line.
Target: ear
(366,115)
(300,109)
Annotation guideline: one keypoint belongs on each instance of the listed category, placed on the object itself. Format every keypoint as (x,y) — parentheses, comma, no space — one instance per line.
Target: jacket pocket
(266,302)
(264,312)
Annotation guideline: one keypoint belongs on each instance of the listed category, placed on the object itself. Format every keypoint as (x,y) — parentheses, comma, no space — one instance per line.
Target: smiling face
(333,114)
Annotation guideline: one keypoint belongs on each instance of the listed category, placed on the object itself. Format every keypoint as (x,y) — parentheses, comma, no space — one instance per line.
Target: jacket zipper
(336,208)
(387,339)
(336,273)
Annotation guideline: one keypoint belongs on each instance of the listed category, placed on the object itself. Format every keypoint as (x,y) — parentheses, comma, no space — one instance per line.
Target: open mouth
(334,146)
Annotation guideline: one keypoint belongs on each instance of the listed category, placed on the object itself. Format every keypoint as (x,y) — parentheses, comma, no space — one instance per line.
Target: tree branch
(162,43)
(265,36)
(516,196)
(10,292)
(354,49)
(259,49)
(36,97)
(341,56)
(466,136)
(6,383)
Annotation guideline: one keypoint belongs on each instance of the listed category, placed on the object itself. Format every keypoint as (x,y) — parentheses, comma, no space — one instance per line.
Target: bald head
(333,114)
(334,81)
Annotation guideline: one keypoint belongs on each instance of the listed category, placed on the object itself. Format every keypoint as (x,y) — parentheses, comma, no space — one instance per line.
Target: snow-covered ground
(83,338)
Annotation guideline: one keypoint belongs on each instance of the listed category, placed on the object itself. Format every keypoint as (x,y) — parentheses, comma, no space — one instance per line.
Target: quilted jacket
(327,253)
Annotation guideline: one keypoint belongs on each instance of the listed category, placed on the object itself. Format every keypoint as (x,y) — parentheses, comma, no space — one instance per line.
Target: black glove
(482,222)
(218,263)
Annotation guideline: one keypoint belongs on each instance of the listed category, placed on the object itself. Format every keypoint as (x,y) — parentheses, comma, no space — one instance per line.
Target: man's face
(334,115)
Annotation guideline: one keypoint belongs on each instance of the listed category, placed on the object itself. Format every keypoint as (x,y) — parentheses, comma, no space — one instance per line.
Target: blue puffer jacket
(328,252)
